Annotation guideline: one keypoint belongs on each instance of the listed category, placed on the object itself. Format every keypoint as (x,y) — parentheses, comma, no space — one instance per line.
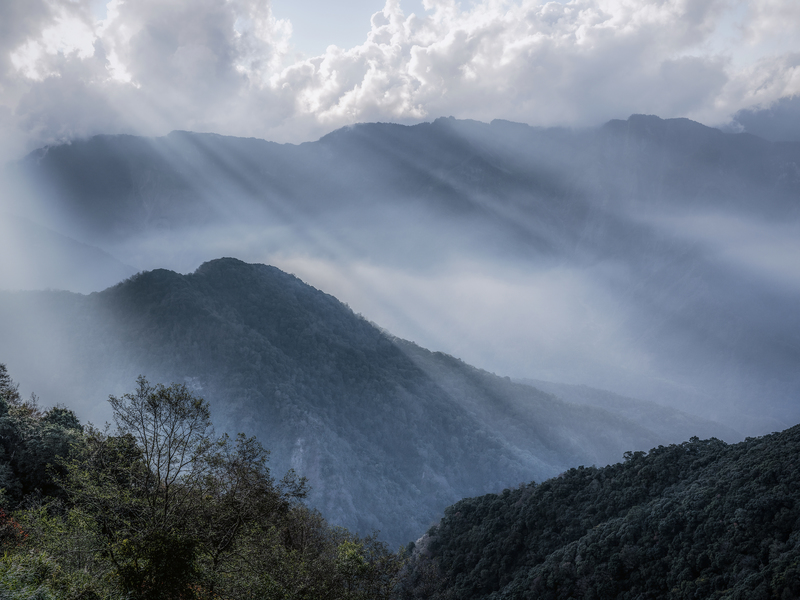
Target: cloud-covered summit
(228,65)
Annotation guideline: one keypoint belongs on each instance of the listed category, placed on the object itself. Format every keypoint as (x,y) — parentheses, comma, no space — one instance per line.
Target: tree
(172,429)
(9,391)
(32,443)
(240,500)
(141,485)
(177,513)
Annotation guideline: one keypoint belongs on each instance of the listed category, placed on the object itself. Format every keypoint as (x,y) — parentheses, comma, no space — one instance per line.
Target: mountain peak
(654,126)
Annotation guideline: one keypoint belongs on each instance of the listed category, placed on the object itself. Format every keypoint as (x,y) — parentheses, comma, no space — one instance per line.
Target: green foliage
(32,444)
(9,391)
(157,565)
(702,519)
(162,509)
(27,577)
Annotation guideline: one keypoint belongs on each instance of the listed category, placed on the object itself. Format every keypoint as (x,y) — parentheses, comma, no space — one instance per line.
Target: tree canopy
(701,519)
(162,508)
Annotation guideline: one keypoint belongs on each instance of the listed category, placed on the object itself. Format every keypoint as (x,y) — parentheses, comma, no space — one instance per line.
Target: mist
(548,254)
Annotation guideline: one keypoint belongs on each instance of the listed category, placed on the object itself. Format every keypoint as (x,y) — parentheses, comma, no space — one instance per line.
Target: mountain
(107,187)
(388,433)
(648,257)
(702,519)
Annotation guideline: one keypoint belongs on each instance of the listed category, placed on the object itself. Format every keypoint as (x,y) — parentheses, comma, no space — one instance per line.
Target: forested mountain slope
(388,433)
(697,520)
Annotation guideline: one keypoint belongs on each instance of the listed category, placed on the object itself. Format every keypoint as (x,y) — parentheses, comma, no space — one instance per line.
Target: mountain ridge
(387,432)
(698,519)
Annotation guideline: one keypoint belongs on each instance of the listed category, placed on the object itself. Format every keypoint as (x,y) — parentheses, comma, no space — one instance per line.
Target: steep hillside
(387,432)
(697,520)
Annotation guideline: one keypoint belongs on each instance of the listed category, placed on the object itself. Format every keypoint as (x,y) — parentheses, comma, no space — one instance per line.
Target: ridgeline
(702,519)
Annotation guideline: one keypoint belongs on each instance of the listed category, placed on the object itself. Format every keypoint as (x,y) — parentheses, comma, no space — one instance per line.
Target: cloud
(575,63)
(773,23)
(148,67)
(764,250)
(226,66)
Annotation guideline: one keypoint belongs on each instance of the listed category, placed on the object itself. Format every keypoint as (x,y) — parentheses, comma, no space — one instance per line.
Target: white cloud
(150,66)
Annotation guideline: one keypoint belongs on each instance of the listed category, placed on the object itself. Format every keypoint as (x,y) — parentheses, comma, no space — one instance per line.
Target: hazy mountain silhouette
(120,185)
(645,212)
(45,259)
(665,422)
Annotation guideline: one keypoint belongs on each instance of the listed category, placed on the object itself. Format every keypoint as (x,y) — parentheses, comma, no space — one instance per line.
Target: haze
(465,271)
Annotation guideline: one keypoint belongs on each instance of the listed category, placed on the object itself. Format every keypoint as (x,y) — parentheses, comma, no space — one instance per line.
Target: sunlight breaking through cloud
(149,67)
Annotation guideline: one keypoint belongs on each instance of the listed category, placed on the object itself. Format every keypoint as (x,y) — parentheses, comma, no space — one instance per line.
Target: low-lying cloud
(778,121)
(763,249)
(557,322)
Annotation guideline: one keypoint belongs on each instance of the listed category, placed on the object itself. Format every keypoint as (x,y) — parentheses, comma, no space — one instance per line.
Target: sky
(292,71)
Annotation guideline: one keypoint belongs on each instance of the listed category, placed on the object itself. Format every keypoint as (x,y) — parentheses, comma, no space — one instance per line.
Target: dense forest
(161,508)
(702,519)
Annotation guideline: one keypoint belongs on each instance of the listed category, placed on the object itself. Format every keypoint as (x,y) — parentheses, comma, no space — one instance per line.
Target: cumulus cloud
(148,67)
(552,63)
(226,66)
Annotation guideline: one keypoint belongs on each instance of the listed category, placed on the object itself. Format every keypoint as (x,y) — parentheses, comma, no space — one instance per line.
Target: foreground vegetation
(702,519)
(161,508)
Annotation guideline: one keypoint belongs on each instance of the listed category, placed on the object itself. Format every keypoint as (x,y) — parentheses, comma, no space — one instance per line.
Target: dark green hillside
(387,433)
(702,519)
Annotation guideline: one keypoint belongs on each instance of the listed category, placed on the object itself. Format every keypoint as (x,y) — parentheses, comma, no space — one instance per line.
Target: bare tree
(173,430)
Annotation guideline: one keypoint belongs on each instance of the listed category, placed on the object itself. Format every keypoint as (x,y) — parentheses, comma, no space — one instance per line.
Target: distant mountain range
(665,244)
(667,423)
(388,433)
(111,187)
